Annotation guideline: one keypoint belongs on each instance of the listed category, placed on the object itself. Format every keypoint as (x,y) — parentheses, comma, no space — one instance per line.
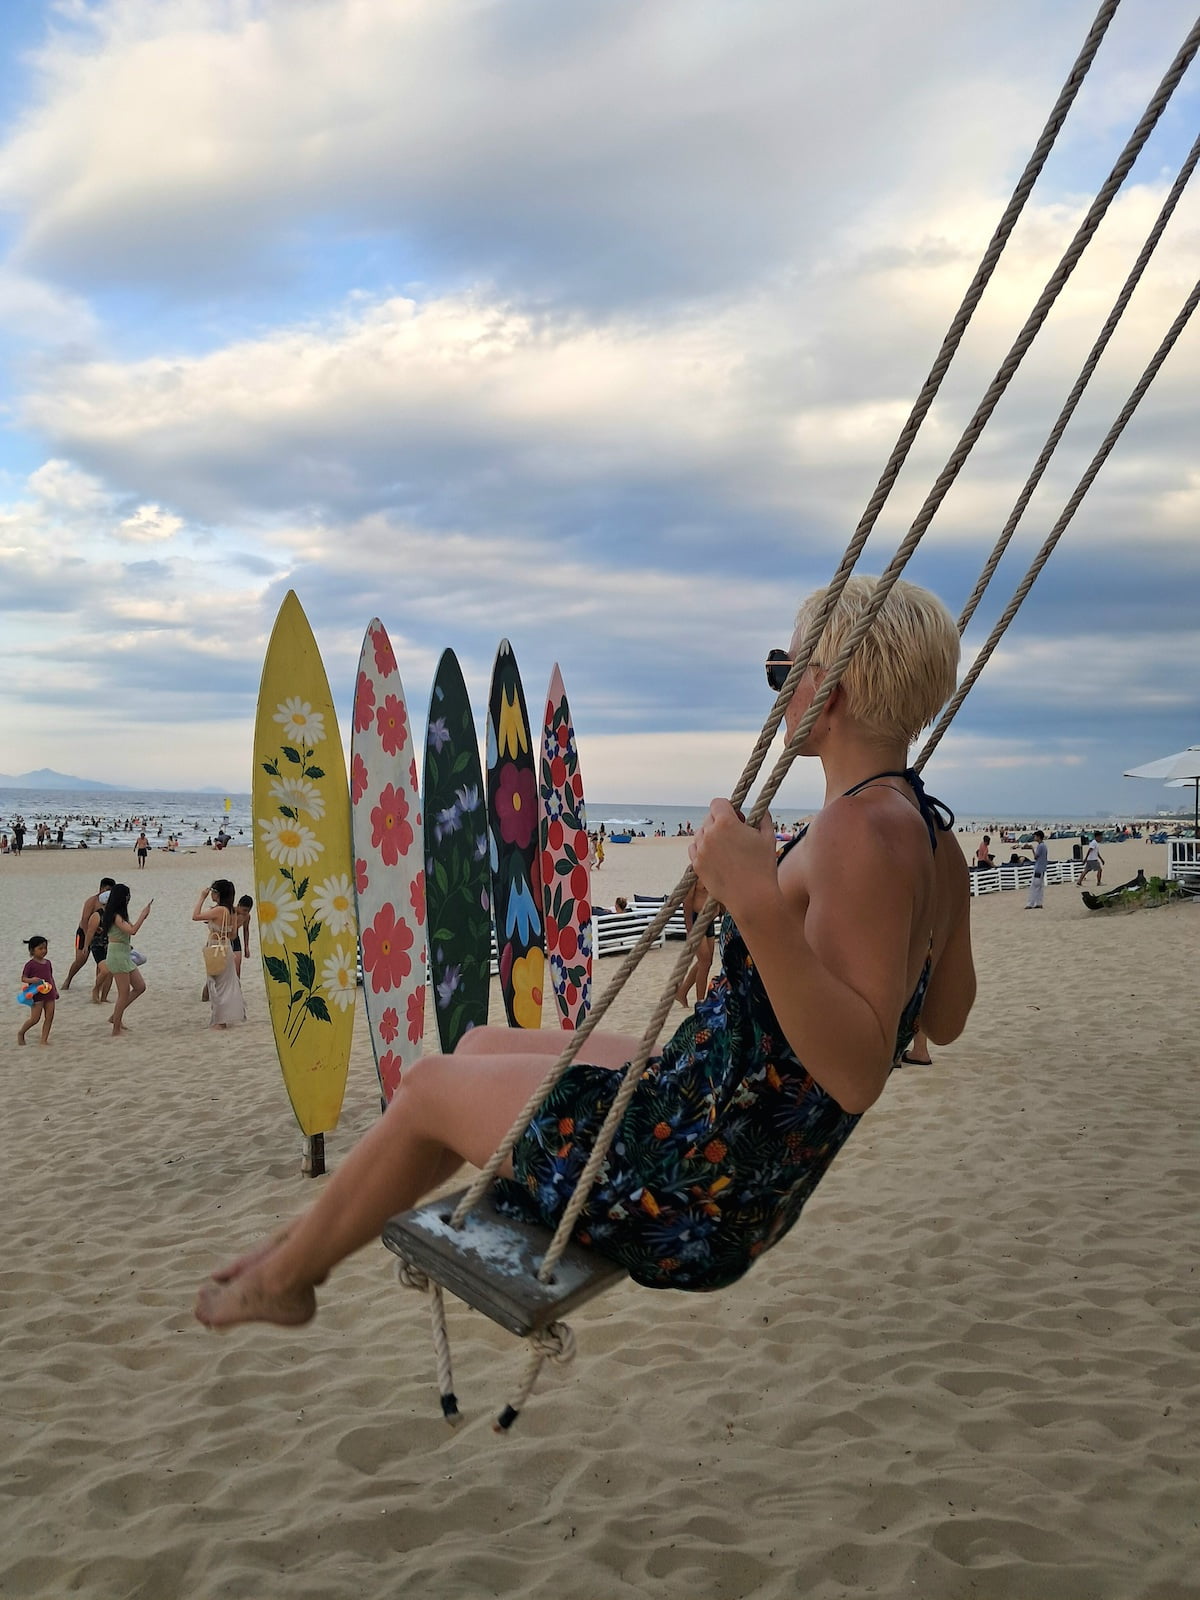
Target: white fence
(1183,859)
(993,879)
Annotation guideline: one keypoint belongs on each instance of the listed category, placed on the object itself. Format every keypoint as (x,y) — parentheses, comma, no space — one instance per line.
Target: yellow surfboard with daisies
(304,872)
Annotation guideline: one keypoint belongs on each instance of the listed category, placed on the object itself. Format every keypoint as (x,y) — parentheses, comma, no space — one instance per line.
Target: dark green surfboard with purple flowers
(512,792)
(457,868)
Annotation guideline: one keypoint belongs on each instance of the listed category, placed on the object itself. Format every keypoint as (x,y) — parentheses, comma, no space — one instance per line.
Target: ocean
(110,819)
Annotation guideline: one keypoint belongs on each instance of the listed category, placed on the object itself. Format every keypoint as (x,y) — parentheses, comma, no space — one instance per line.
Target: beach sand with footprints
(970,1371)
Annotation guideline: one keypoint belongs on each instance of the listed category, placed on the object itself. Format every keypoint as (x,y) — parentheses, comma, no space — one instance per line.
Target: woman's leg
(447,1110)
(599,1050)
(122,982)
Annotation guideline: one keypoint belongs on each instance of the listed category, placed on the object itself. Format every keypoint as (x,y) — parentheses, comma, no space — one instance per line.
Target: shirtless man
(91,908)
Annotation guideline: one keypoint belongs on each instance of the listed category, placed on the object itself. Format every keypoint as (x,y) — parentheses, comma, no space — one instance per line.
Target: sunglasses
(779,664)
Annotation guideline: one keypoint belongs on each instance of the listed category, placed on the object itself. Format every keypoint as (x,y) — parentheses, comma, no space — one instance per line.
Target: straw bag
(216,954)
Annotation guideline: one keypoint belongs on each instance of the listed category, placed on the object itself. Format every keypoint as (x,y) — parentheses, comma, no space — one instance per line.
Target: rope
(862,532)
(1081,383)
(1052,538)
(412,1277)
(891,574)
(553,1343)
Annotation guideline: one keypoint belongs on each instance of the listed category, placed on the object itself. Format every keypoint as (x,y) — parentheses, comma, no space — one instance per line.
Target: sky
(589,326)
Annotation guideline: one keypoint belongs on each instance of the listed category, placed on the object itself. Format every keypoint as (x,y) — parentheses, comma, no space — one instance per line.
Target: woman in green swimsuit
(119,931)
(828,954)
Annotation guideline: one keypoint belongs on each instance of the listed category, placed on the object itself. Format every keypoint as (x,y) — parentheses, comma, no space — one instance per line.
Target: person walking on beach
(831,951)
(1093,861)
(38,970)
(702,959)
(224,987)
(142,846)
(241,938)
(91,908)
(117,929)
(1037,886)
(18,836)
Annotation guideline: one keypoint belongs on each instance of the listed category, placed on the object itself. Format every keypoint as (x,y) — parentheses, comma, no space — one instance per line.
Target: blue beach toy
(31,991)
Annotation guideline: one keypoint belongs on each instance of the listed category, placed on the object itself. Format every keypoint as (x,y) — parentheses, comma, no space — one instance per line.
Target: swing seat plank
(492,1263)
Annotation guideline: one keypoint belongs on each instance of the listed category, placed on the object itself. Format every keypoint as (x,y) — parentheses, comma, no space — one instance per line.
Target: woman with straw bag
(224,987)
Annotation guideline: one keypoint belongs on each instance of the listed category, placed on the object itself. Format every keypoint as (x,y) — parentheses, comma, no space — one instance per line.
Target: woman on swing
(830,952)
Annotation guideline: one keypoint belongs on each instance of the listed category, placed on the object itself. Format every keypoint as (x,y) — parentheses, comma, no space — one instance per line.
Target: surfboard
(512,793)
(304,894)
(566,882)
(389,872)
(457,874)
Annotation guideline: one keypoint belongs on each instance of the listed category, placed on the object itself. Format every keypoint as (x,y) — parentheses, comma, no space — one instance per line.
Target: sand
(970,1371)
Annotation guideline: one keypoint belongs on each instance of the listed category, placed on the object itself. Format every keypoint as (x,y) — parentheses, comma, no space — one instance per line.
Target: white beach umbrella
(1181,768)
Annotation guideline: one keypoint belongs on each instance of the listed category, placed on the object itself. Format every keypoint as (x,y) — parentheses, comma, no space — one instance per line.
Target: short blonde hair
(905,669)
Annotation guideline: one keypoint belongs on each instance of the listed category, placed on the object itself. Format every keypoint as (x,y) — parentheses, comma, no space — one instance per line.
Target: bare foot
(20,1038)
(248,1299)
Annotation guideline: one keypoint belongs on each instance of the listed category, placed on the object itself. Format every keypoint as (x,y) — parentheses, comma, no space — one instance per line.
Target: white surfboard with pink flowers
(389,871)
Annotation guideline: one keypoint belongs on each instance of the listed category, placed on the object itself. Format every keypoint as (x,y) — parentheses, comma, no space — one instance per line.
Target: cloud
(149,524)
(588,325)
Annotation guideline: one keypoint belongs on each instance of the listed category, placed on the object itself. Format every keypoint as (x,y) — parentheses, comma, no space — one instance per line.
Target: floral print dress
(724,1140)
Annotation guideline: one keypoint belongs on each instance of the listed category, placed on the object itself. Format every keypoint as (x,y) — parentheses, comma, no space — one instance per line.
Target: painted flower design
(468,799)
(438,735)
(389,1025)
(339,978)
(416,896)
(333,902)
(511,736)
(523,915)
(300,723)
(390,1073)
(278,913)
(448,986)
(386,945)
(364,703)
(289,842)
(385,656)
(415,1015)
(516,805)
(391,831)
(298,795)
(362,881)
(446,822)
(359,778)
(528,976)
(391,721)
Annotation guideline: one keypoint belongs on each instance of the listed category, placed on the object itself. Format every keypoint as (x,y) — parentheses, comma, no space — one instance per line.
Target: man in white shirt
(1093,861)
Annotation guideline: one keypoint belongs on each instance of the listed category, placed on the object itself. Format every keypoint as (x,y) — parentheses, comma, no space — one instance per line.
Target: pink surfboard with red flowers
(563,840)
(389,870)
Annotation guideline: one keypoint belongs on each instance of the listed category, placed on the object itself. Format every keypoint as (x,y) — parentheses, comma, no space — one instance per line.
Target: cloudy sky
(588,325)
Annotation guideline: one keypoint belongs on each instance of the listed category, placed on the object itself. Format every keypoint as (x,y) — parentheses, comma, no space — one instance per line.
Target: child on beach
(38,970)
(830,952)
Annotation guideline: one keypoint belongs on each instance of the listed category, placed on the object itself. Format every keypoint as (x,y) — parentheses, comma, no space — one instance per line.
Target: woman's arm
(199,914)
(830,941)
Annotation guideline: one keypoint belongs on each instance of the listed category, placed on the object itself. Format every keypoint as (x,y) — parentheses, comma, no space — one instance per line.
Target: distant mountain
(46,778)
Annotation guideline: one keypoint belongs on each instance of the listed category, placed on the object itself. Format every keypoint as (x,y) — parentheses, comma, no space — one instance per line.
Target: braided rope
(556,1343)
(1052,538)
(862,532)
(833,675)
(413,1277)
(1081,383)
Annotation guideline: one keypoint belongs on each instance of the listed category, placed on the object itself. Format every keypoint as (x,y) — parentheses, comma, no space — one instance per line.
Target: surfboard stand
(312,1163)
